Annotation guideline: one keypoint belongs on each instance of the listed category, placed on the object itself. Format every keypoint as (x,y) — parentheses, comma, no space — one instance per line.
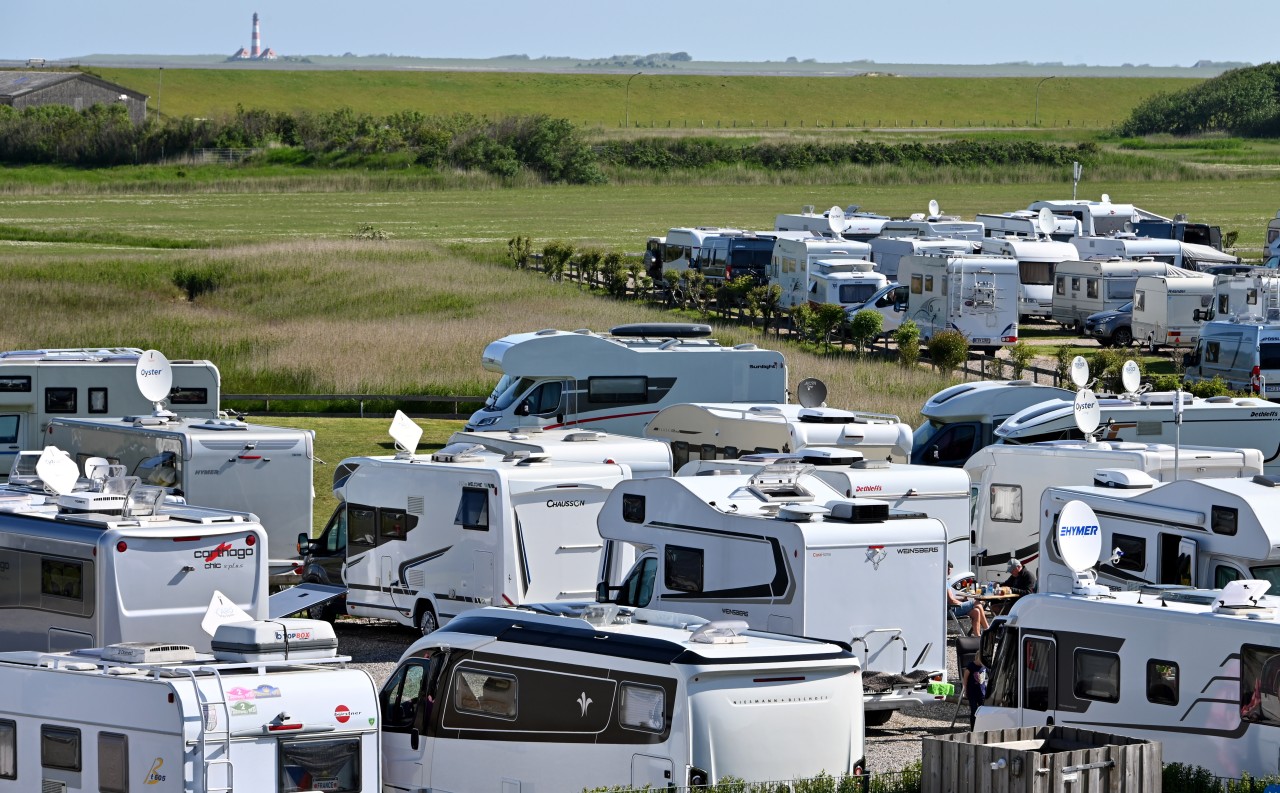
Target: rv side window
(917,284)
(394,524)
(1097,676)
(683,569)
(1223,575)
(928,283)
(362,526)
(473,509)
(330,765)
(1120,289)
(97,400)
(8,749)
(617,390)
(1038,675)
(1260,684)
(1003,679)
(1006,503)
(1251,297)
(13,382)
(62,578)
(113,763)
(188,396)
(400,697)
(642,707)
(633,508)
(1224,520)
(8,429)
(1224,302)
(59,747)
(1269,356)
(1162,682)
(485,693)
(1212,350)
(1133,552)
(1060,286)
(1139,300)
(1075,284)
(1091,288)
(60,400)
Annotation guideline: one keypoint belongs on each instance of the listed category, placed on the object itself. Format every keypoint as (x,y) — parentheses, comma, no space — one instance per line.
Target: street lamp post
(629,79)
(1042,82)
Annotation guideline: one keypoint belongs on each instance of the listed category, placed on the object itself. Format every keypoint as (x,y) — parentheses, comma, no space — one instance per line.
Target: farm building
(22,89)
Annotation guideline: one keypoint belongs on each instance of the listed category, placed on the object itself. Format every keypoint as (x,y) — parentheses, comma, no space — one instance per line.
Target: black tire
(427,621)
(1123,337)
(327,611)
(878,718)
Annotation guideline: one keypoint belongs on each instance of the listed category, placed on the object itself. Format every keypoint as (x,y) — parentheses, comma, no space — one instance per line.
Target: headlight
(484,422)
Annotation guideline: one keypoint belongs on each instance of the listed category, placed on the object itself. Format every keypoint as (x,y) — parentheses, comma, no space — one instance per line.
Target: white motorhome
(617,381)
(1096,218)
(1255,295)
(934,225)
(262,712)
(586,697)
(1196,670)
(221,463)
(643,456)
(786,552)
(844,283)
(1025,223)
(975,295)
(1037,259)
(428,538)
(1234,422)
(1083,288)
(791,265)
(107,560)
(1128,247)
(683,245)
(37,385)
(848,224)
(1244,352)
(1010,479)
(718,431)
(1167,309)
(962,419)
(888,252)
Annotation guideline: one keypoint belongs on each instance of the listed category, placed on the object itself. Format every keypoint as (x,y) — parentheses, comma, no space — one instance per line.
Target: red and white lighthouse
(256,49)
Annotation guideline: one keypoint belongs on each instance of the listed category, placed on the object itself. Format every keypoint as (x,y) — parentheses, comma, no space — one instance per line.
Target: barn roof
(17,83)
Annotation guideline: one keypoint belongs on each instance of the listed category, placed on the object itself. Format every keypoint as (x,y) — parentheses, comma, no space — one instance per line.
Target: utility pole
(629,79)
(1042,82)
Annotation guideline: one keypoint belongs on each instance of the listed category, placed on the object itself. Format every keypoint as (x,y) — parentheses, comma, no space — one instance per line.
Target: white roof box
(274,640)
(1123,478)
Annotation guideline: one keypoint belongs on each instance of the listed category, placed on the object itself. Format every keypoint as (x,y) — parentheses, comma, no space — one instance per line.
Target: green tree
(907,339)
(1020,355)
(802,321)
(828,320)
(766,303)
(948,349)
(864,327)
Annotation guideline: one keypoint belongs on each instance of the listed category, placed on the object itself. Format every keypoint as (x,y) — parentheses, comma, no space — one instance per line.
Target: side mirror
(933,454)
(304,543)
(522,409)
(602,592)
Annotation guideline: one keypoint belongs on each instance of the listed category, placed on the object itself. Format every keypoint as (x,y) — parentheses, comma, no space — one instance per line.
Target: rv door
(1039,680)
(1177,563)
(10,440)
(407,708)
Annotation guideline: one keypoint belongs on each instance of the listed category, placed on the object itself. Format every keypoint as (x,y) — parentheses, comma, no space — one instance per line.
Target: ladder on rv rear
(220,737)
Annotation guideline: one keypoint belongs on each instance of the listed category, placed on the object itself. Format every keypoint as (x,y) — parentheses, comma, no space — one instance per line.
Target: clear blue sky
(1095,32)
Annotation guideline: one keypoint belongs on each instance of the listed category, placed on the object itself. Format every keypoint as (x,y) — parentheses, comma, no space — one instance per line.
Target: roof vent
(771,410)
(148,653)
(1123,478)
(1266,480)
(584,435)
(458,453)
(719,472)
(1244,599)
(720,632)
(799,513)
(829,456)
(871,465)
(534,458)
(860,510)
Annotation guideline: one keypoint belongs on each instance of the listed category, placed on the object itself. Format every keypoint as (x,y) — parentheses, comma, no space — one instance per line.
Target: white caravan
(37,385)
(1097,218)
(220,463)
(975,295)
(1195,670)
(1009,480)
(107,560)
(962,419)
(617,382)
(1168,309)
(428,538)
(643,456)
(1025,223)
(844,283)
(263,712)
(1129,248)
(1037,259)
(562,698)
(1234,422)
(1084,288)
(710,431)
(786,552)
(888,252)
(791,265)
(1244,352)
(934,225)
(683,245)
(848,224)
(1255,296)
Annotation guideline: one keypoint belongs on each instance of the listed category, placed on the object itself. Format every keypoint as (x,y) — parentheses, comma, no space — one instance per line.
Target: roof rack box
(274,640)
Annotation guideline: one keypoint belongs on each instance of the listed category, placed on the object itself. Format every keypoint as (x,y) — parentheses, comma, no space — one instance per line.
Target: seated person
(959,607)
(1021,581)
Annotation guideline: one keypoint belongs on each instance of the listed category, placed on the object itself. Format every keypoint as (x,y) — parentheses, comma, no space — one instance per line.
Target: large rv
(975,295)
(617,382)
(1026,224)
(1255,296)
(643,456)
(107,560)
(682,247)
(1243,351)
(1037,259)
(588,697)
(273,708)
(1168,310)
(844,283)
(847,224)
(888,252)
(962,419)
(1096,218)
(221,463)
(1083,288)
(790,266)
(1167,250)
(38,385)
(785,552)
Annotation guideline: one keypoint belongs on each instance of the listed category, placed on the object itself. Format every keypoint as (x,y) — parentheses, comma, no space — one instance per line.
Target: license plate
(983,341)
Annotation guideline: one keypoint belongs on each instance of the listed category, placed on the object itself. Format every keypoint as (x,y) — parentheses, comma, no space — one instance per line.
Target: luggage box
(274,640)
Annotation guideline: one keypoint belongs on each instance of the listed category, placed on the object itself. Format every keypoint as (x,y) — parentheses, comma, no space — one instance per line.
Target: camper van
(1197,670)
(105,559)
(272,708)
(975,295)
(1082,288)
(1167,308)
(683,245)
(1009,479)
(643,456)
(1026,224)
(847,224)
(845,283)
(962,419)
(784,552)
(427,538)
(1178,228)
(221,463)
(888,252)
(1037,259)
(719,431)
(1235,422)
(1244,352)
(38,385)
(890,302)
(725,257)
(791,265)
(587,697)
(617,381)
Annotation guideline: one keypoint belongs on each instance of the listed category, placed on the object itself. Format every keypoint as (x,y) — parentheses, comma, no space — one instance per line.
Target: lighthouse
(255,51)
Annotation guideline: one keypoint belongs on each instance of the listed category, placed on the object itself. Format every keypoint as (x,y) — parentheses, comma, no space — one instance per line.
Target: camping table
(998,604)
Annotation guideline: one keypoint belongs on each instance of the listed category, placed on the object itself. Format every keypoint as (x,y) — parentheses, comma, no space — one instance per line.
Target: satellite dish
(1088,412)
(811,392)
(1079,371)
(1046,222)
(154,376)
(1106,199)
(1130,376)
(1079,536)
(933,208)
(405,433)
(222,611)
(835,220)
(57,470)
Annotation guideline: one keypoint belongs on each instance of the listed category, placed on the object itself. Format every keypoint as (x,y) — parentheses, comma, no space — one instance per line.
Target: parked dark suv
(1113,327)
(724,258)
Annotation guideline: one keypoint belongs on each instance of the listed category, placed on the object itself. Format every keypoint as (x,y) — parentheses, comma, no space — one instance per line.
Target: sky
(1093,32)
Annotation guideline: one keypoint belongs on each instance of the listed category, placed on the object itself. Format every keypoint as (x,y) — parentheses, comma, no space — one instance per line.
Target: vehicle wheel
(326,612)
(878,718)
(427,621)
(1123,337)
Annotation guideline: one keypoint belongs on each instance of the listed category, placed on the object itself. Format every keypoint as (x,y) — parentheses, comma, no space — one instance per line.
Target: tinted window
(60,400)
(683,569)
(62,578)
(473,509)
(485,693)
(856,293)
(1097,676)
(917,284)
(8,749)
(1120,290)
(1260,685)
(1060,287)
(633,508)
(1224,520)
(113,763)
(1162,682)
(8,429)
(637,590)
(188,396)
(98,400)
(1040,273)
(11,382)
(394,524)
(1133,550)
(617,390)
(1091,288)
(1269,355)
(362,525)
(60,747)
(545,399)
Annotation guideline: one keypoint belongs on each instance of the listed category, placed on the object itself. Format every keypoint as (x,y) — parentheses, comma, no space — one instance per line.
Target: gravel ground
(376,645)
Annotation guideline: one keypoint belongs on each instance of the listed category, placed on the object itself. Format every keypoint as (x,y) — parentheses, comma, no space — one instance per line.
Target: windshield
(749,252)
(856,294)
(922,435)
(506,391)
(1127,308)
(1269,573)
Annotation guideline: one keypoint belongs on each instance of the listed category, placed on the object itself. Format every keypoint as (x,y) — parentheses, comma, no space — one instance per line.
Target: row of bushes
(1242,102)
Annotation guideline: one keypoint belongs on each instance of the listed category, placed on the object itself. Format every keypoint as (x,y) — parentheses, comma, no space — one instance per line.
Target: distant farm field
(658,100)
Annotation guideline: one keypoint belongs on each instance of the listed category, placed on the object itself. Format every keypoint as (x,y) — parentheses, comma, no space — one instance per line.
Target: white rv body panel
(791,264)
(846,284)
(617,383)
(962,419)
(975,295)
(888,252)
(643,456)
(1083,288)
(856,226)
(1164,308)
(1254,296)
(1009,480)
(717,431)
(1025,223)
(219,463)
(580,697)
(1245,354)
(1233,422)
(682,245)
(1158,666)
(1129,248)
(194,726)
(712,546)
(1097,218)
(467,528)
(37,385)
(1037,259)
(939,226)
